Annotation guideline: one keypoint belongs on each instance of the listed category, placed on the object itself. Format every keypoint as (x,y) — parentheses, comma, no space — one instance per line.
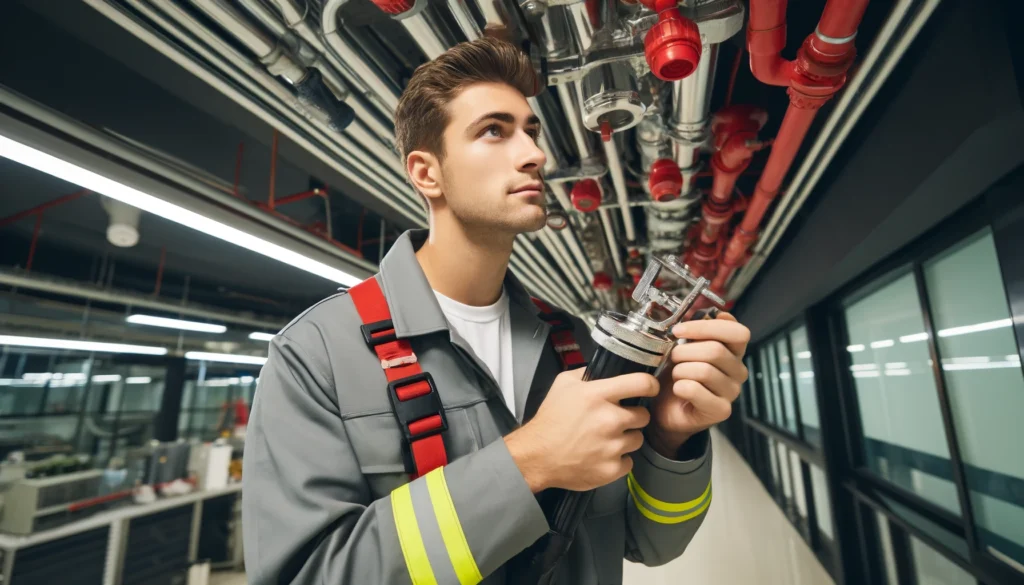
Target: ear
(425,173)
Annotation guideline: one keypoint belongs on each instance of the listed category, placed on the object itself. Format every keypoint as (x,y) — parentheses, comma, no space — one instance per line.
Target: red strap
(399,361)
(563,341)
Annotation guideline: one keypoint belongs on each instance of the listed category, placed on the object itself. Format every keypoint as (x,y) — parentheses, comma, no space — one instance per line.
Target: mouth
(528,191)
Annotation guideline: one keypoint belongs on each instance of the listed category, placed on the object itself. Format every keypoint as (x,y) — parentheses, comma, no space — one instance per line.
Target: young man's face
(491,174)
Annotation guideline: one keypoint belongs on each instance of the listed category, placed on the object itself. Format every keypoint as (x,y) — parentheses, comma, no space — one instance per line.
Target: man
(330,453)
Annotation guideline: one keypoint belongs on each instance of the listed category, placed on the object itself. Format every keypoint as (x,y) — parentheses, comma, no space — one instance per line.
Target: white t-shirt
(487,332)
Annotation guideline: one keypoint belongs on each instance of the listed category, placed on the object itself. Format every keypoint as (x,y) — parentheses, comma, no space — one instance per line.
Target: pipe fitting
(557,219)
(602,281)
(611,101)
(673,45)
(665,181)
(586,195)
(394,7)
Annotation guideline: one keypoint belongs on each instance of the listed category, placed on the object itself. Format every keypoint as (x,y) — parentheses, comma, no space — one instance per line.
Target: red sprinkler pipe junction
(816,75)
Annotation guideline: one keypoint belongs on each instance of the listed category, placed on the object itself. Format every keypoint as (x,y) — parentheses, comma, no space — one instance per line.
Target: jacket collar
(414,308)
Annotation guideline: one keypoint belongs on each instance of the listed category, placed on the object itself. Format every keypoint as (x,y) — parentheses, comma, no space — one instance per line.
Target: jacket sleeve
(668,498)
(307,513)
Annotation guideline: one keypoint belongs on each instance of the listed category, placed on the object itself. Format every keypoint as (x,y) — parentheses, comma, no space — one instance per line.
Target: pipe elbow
(771,69)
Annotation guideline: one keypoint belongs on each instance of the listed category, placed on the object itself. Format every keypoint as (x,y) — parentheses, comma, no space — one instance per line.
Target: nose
(530,156)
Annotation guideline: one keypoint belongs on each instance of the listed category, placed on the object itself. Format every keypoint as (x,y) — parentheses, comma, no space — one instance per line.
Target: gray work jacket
(327,500)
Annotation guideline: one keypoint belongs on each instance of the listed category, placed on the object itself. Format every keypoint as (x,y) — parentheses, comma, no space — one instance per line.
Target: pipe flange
(718,20)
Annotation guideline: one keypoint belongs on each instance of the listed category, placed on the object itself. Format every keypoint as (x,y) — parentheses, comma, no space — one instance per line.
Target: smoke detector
(123,230)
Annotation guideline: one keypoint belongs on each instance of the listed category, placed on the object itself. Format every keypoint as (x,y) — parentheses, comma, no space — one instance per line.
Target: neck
(465,265)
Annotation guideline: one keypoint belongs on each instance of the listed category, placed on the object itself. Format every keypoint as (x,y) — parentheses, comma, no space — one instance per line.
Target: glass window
(786,384)
(885,544)
(764,383)
(798,484)
(934,569)
(822,504)
(904,438)
(752,383)
(805,391)
(982,370)
(776,394)
(775,466)
(787,488)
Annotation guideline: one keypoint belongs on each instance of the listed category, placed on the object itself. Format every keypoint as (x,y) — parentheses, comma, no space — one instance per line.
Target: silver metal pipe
(342,145)
(567,93)
(611,153)
(374,90)
(529,276)
(582,29)
(267,50)
(691,107)
(569,237)
(463,17)
(121,150)
(424,30)
(565,262)
(609,234)
(492,11)
(543,267)
(161,44)
(350,55)
(79,290)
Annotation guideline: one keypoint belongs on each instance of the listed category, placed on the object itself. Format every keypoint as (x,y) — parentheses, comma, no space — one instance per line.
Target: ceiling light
(107,378)
(979,359)
(896,365)
(228,358)
(897,372)
(863,367)
(247,379)
(914,337)
(882,343)
(258,336)
(805,375)
(79,345)
(976,328)
(138,380)
(866,374)
(82,177)
(175,323)
(803,355)
(855,348)
(784,376)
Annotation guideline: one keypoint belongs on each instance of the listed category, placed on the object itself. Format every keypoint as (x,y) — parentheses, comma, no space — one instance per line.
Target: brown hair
(422,113)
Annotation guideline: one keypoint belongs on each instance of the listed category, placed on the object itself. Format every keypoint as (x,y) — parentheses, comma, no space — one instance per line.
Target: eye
(534,133)
(493,130)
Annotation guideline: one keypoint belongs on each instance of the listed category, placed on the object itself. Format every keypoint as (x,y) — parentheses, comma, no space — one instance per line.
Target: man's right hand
(581,437)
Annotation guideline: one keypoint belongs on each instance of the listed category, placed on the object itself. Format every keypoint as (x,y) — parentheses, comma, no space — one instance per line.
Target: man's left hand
(700,382)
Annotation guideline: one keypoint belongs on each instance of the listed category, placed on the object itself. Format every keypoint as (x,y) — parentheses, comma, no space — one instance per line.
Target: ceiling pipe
(417,19)
(81,290)
(817,74)
(344,51)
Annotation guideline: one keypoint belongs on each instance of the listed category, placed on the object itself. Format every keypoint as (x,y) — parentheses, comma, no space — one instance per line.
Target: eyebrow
(505,117)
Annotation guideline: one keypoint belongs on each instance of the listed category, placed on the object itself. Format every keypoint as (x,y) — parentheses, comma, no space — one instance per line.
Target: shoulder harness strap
(562,339)
(412,392)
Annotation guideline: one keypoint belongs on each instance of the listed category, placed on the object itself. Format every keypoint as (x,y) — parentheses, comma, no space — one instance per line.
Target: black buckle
(559,321)
(414,409)
(370,328)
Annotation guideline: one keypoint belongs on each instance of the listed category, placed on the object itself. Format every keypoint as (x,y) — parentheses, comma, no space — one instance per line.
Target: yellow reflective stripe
(409,538)
(451,529)
(666,506)
(633,490)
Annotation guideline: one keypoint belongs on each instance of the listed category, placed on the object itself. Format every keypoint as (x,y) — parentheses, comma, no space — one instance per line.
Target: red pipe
(35,240)
(817,74)
(732,76)
(299,197)
(42,207)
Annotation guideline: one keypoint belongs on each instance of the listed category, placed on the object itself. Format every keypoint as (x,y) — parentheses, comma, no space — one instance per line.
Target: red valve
(606,130)
(602,281)
(665,181)
(673,45)
(394,6)
(586,195)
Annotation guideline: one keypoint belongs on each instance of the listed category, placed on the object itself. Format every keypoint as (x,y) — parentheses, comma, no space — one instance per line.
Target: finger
(635,417)
(709,376)
(726,330)
(702,399)
(711,352)
(636,385)
(626,465)
(632,441)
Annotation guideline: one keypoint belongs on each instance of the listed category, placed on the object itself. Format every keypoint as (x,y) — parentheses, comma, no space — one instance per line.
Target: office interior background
(885,294)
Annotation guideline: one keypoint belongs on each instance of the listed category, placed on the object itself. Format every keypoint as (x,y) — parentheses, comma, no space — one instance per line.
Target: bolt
(534,8)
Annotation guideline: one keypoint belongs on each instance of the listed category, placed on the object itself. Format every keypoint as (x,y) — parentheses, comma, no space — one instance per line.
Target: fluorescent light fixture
(138,380)
(803,355)
(175,323)
(228,358)
(1013,358)
(805,375)
(913,338)
(988,366)
(882,343)
(247,379)
(976,328)
(221,382)
(979,359)
(896,365)
(897,372)
(863,367)
(258,336)
(784,376)
(874,374)
(79,345)
(82,177)
(107,378)
(855,348)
